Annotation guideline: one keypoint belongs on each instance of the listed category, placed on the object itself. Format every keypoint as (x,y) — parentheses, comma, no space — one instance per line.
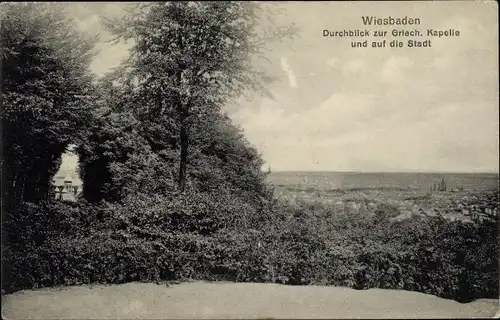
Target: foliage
(45,94)
(188,60)
(117,160)
(197,238)
(67,243)
(126,154)
(164,98)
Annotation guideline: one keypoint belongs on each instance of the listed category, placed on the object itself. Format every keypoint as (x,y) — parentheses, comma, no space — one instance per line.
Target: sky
(338,108)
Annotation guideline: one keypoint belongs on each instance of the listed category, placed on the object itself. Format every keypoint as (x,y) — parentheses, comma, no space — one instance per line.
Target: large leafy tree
(187,61)
(126,152)
(46,94)
(118,155)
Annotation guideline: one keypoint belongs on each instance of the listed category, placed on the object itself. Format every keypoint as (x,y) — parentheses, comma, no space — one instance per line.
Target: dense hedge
(156,240)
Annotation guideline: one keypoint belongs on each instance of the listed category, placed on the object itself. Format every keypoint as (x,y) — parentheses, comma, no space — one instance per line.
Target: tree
(120,154)
(126,153)
(46,90)
(191,58)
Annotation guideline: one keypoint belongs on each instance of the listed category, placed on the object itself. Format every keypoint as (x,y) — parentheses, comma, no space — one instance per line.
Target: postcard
(250,160)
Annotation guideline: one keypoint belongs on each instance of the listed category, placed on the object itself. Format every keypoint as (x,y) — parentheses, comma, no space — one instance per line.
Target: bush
(33,234)
(219,238)
(198,212)
(146,240)
(430,255)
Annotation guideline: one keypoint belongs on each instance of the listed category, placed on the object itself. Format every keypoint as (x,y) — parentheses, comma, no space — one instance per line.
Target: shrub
(220,238)
(147,240)
(426,254)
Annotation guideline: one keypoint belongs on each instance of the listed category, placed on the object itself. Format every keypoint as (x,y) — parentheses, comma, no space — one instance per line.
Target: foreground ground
(233,300)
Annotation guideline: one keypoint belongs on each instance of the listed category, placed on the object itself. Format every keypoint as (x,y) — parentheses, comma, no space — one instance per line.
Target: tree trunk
(183,112)
(184,137)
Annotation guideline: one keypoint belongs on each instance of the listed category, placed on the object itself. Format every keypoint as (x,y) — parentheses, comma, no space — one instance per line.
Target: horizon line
(359,171)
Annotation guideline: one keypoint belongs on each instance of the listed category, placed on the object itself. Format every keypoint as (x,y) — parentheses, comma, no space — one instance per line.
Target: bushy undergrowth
(201,236)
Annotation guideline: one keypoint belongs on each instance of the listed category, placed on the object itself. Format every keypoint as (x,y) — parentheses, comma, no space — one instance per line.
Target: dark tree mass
(160,118)
(46,99)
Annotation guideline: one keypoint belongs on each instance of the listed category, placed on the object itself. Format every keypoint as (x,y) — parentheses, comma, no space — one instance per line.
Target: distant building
(67,185)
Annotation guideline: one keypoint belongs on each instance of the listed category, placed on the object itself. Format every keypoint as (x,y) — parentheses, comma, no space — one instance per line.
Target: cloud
(285,66)
(349,132)
(396,69)
(374,109)
(110,56)
(88,18)
(331,61)
(353,66)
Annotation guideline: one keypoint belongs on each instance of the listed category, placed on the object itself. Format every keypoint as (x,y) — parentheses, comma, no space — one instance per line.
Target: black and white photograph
(250,160)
